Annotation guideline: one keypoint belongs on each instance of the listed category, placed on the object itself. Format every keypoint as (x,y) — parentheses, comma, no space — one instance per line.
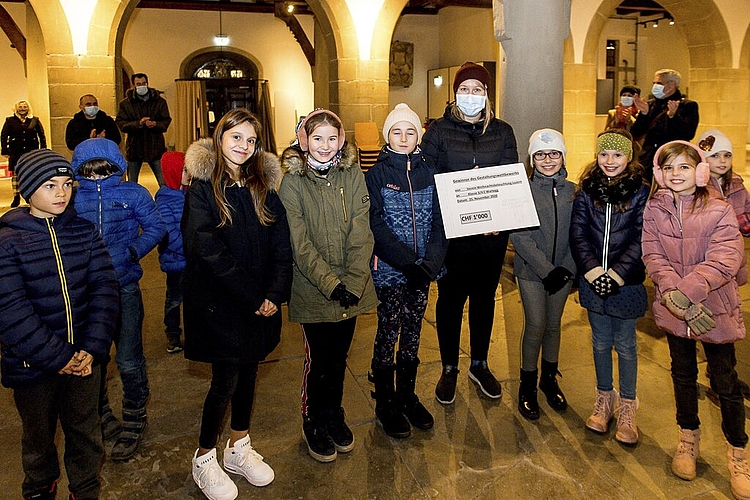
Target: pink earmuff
(702,170)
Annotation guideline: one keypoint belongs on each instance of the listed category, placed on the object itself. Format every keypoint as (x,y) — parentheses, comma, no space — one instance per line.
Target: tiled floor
(479,449)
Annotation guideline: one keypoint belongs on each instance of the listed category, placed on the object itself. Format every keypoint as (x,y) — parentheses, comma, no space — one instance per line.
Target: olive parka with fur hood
(329,220)
(232,269)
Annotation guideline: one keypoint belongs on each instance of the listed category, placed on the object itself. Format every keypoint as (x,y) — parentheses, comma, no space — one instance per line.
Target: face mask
(91,110)
(142,90)
(658,91)
(626,101)
(470,105)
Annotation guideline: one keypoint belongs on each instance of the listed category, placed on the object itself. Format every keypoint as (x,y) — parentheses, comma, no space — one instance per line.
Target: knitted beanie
(37,167)
(402,113)
(547,138)
(302,134)
(172,163)
(631,89)
(712,141)
(471,71)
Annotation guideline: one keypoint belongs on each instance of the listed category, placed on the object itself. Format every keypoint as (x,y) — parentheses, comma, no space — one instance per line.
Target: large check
(485,199)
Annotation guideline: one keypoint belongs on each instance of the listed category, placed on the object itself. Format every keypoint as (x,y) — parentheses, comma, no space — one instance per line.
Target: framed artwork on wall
(401,65)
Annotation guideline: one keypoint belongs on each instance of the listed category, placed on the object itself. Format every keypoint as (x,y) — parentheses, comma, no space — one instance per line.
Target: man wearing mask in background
(668,117)
(144,116)
(90,122)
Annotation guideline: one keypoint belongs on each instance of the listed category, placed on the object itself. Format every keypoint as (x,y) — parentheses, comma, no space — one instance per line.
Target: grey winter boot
(133,428)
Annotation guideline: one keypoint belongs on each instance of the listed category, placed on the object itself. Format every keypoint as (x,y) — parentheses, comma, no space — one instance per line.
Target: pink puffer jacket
(736,195)
(699,253)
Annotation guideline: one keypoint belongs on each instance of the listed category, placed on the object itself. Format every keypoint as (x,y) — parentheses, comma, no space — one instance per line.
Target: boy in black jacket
(58,310)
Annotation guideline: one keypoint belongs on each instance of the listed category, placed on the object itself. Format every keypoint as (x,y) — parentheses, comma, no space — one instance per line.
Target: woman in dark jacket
(239,271)
(467,137)
(22,132)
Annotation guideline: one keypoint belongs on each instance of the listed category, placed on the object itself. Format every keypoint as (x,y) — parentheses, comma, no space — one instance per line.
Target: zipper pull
(554,187)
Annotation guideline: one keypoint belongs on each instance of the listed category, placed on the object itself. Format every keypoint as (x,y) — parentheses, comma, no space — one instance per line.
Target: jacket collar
(293,159)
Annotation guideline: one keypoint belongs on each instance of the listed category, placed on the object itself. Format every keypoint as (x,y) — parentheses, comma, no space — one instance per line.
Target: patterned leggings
(400,313)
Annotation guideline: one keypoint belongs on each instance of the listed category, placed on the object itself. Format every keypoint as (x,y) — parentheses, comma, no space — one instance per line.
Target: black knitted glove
(349,300)
(416,275)
(556,280)
(338,293)
(604,286)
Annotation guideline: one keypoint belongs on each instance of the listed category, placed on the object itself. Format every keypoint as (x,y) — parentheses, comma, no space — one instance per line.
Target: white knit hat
(712,141)
(402,113)
(547,138)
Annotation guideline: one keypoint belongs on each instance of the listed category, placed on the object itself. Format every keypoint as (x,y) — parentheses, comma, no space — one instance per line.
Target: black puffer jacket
(451,144)
(58,294)
(232,269)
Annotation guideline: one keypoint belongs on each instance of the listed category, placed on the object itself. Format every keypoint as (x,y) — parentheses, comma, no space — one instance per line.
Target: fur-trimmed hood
(293,159)
(200,161)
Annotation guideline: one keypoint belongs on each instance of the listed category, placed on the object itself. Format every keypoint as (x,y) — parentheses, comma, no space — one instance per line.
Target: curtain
(266,117)
(190,114)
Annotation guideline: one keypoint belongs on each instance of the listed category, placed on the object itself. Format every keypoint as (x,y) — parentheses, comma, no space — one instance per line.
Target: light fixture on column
(290,8)
(222,39)
(438,80)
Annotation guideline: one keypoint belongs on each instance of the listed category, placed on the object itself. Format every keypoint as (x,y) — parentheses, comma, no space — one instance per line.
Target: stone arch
(186,70)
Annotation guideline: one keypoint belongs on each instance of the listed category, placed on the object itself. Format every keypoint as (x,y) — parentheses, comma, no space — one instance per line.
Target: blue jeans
(129,346)
(542,313)
(172,304)
(134,169)
(606,332)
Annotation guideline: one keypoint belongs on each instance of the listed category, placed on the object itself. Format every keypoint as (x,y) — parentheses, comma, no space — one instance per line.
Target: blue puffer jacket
(119,210)
(170,203)
(404,217)
(58,294)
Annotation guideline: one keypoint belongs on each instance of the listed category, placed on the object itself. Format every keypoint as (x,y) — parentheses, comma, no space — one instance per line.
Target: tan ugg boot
(739,474)
(688,452)
(604,408)
(627,431)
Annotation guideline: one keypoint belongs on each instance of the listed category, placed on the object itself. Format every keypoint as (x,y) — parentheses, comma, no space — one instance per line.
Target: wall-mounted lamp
(290,8)
(438,80)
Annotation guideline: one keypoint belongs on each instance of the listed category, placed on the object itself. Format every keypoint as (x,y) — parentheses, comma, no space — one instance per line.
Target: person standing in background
(623,115)
(90,122)
(22,132)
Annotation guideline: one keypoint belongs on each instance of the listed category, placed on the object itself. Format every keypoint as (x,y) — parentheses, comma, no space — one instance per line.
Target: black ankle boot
(386,410)
(408,402)
(528,406)
(548,385)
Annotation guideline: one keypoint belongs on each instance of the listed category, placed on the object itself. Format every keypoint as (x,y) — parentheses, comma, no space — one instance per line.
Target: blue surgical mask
(142,90)
(658,91)
(626,101)
(470,105)
(91,110)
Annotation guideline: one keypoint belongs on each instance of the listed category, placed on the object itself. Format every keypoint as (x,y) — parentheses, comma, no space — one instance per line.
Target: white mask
(626,101)
(91,110)
(142,90)
(470,105)
(658,91)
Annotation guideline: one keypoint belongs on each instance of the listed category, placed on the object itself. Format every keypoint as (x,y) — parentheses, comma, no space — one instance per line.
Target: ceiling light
(656,24)
(290,8)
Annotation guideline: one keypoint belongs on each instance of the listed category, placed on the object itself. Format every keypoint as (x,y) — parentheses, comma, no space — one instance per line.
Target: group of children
(241,239)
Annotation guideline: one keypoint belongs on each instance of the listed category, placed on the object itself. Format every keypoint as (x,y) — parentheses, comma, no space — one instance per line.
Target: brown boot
(604,408)
(627,431)
(739,474)
(688,452)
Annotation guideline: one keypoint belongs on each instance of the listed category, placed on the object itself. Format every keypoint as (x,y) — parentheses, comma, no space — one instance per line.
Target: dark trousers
(721,363)
(229,382)
(73,401)
(172,303)
(400,314)
(326,349)
(473,266)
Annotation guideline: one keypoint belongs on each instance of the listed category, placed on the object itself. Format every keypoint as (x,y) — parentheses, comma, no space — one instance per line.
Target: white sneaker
(243,459)
(211,479)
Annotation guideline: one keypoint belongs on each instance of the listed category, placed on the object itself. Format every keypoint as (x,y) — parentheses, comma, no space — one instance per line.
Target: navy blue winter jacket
(171,203)
(58,294)
(119,210)
(404,217)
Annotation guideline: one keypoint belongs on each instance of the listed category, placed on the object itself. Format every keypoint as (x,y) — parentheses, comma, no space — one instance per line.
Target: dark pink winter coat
(699,253)
(737,196)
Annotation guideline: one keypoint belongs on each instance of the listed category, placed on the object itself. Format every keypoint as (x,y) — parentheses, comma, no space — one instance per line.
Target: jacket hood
(293,159)
(172,163)
(20,218)
(98,149)
(200,160)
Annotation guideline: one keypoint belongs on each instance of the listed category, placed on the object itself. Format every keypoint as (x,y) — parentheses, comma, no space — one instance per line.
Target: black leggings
(229,382)
(473,265)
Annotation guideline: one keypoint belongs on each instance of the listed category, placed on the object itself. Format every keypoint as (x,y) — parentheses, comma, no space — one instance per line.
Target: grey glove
(677,303)
(698,318)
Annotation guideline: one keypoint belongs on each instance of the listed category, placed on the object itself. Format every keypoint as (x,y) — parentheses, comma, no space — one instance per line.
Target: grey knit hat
(37,167)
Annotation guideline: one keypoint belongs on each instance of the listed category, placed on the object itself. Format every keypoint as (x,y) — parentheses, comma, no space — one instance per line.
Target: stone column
(531,87)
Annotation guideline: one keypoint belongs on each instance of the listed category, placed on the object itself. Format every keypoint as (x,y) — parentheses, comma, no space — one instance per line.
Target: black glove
(338,293)
(556,280)
(604,286)
(417,275)
(348,300)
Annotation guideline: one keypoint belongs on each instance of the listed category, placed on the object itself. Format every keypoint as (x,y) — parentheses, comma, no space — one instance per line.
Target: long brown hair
(673,150)
(250,173)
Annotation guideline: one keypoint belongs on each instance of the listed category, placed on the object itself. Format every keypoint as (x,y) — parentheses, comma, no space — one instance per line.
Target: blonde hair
(250,173)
